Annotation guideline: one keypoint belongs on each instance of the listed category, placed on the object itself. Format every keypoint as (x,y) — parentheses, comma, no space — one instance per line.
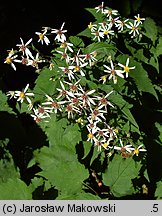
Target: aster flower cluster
(87,107)
(113,24)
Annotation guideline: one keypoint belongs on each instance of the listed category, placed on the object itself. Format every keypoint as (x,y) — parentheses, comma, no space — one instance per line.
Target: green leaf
(102,49)
(35,183)
(158,192)
(3,103)
(141,79)
(87,147)
(139,75)
(159,127)
(76,41)
(124,106)
(158,49)
(43,85)
(150,29)
(59,160)
(86,33)
(15,189)
(119,175)
(67,177)
(98,16)
(8,169)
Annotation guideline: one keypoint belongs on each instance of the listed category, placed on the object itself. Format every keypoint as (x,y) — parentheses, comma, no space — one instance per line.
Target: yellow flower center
(22,95)
(106,32)
(41,36)
(116,130)
(126,69)
(90,25)
(79,120)
(8,60)
(95,54)
(105,145)
(138,18)
(77,68)
(104,78)
(11,52)
(63,45)
(90,135)
(136,151)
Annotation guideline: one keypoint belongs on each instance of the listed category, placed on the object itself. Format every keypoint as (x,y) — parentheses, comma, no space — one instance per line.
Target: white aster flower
(126,68)
(67,46)
(10,59)
(78,68)
(24,95)
(35,61)
(110,13)
(64,92)
(92,27)
(103,101)
(68,71)
(98,35)
(134,30)
(113,72)
(122,148)
(100,8)
(60,34)
(43,38)
(85,97)
(120,24)
(138,19)
(10,94)
(138,149)
(106,31)
(38,117)
(24,49)
(54,105)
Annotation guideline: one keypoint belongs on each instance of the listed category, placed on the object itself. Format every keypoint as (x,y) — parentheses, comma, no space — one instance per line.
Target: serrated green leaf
(154,62)
(15,189)
(35,183)
(150,29)
(139,75)
(158,49)
(119,175)
(124,107)
(67,177)
(8,169)
(142,80)
(158,191)
(71,135)
(159,127)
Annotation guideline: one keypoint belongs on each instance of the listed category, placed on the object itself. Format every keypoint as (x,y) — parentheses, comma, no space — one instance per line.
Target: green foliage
(150,29)
(3,104)
(119,176)
(158,192)
(15,189)
(44,85)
